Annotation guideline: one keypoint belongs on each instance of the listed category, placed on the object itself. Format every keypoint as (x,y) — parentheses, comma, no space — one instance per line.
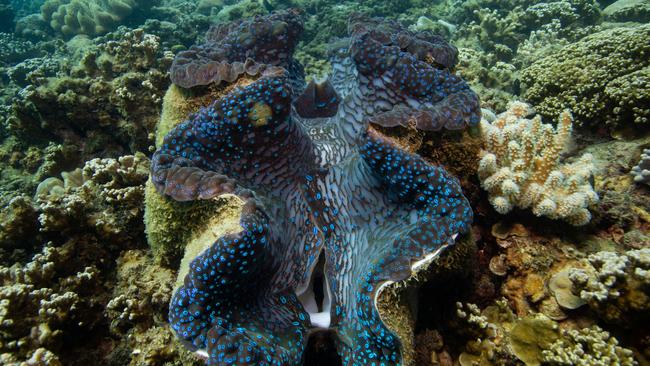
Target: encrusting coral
(520,167)
(311,181)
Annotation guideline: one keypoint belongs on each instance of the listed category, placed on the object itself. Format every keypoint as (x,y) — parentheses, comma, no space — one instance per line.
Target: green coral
(628,10)
(72,17)
(602,79)
(104,102)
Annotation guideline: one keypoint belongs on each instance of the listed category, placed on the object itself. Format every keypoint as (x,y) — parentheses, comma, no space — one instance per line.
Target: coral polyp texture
(72,17)
(521,167)
(327,195)
(603,79)
(246,46)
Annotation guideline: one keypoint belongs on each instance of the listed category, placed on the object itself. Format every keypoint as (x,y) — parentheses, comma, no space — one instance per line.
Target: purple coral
(328,195)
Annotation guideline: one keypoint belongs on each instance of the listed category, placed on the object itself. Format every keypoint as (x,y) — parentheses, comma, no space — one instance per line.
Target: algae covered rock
(602,79)
(170,225)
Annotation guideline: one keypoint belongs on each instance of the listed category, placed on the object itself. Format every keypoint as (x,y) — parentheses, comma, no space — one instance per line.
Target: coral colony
(324,190)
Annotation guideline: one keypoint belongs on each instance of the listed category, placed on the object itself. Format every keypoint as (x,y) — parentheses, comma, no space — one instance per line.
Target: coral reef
(616,286)
(106,106)
(535,340)
(301,183)
(589,346)
(521,167)
(72,17)
(53,294)
(91,254)
(602,79)
(641,172)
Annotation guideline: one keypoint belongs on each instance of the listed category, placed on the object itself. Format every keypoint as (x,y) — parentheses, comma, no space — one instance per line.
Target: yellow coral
(520,167)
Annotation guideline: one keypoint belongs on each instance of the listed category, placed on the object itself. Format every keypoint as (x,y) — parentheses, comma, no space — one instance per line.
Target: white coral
(520,167)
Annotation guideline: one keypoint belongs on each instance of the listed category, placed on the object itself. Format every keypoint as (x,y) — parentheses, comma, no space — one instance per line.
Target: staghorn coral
(615,286)
(602,79)
(587,347)
(521,167)
(307,196)
(73,17)
(641,172)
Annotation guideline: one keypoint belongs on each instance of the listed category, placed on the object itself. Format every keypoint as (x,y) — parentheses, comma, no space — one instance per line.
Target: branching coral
(329,188)
(587,347)
(616,286)
(55,279)
(521,167)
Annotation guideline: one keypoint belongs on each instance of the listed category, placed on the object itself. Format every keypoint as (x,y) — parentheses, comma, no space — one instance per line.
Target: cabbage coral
(520,167)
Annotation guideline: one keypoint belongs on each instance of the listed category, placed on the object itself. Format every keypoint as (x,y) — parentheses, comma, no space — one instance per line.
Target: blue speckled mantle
(331,187)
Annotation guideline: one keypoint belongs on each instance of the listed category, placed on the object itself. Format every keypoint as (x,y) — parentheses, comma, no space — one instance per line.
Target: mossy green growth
(603,79)
(171,225)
